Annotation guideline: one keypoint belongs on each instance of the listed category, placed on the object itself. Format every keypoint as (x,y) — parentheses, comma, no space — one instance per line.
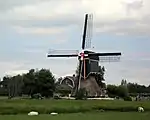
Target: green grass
(67,106)
(81,116)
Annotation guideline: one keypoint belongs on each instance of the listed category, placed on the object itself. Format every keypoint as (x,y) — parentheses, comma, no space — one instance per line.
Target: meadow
(81,116)
(23,106)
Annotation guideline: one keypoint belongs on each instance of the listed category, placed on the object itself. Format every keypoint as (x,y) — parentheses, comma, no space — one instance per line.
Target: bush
(120,91)
(56,97)
(127,98)
(81,94)
(36,96)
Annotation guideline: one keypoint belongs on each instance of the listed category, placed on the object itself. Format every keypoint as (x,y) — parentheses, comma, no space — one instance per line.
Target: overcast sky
(29,28)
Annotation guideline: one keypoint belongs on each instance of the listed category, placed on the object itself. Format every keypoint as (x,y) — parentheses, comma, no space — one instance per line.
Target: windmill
(88,60)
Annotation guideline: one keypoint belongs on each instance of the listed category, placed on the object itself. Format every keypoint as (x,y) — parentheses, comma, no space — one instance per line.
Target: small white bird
(53,113)
(140,109)
(33,113)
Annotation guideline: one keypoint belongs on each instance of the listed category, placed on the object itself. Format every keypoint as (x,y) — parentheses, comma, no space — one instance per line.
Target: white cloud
(9,66)
(109,16)
(49,17)
(59,67)
(132,5)
(37,30)
(9,4)
(131,70)
(16,72)
(56,34)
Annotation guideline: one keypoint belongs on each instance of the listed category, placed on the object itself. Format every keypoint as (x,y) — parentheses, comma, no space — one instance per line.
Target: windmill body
(89,74)
(91,64)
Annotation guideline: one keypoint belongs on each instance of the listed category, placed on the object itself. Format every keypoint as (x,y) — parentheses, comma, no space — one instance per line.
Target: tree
(122,91)
(41,81)
(34,82)
(77,70)
(9,85)
(100,77)
(81,94)
(58,81)
(114,91)
(4,86)
(13,85)
(124,82)
(29,83)
(64,90)
(45,82)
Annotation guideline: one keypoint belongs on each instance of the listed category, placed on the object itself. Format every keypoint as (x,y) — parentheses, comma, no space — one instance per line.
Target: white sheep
(140,109)
(33,113)
(53,113)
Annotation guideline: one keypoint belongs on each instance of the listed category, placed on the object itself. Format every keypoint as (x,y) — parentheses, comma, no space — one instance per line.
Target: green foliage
(127,89)
(136,88)
(81,94)
(12,85)
(127,98)
(37,96)
(40,81)
(64,90)
(43,82)
(120,91)
(112,90)
(77,70)
(3,92)
(102,71)
(124,82)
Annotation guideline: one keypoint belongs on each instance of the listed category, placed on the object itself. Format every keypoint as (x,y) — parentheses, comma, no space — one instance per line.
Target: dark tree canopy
(40,81)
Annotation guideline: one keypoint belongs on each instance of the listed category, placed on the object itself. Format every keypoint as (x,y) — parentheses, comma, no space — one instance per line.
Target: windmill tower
(88,74)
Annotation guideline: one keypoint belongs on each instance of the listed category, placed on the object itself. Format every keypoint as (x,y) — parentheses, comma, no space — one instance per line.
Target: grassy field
(81,116)
(17,109)
(21,106)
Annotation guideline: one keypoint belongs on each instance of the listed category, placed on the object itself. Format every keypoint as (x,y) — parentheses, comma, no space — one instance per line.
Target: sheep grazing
(53,113)
(33,113)
(140,109)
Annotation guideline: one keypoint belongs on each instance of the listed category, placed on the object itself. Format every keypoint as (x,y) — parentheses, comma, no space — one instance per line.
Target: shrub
(36,96)
(81,94)
(127,98)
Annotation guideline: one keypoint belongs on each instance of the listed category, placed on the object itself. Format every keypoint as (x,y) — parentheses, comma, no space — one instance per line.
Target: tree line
(124,90)
(43,82)
(35,81)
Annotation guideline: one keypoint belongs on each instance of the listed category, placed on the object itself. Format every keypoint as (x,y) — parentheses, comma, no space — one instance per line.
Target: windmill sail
(89,31)
(106,57)
(84,31)
(63,53)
